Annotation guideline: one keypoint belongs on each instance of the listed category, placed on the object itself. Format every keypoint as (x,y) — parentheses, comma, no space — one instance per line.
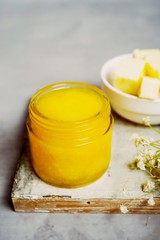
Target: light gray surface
(56,40)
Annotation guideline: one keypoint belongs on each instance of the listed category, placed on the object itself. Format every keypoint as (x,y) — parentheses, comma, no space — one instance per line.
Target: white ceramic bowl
(128,106)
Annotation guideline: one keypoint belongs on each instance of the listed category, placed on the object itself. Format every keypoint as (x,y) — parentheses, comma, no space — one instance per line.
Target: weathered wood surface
(119,185)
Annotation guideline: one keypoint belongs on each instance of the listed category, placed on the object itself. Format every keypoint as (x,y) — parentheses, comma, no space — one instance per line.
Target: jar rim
(61,85)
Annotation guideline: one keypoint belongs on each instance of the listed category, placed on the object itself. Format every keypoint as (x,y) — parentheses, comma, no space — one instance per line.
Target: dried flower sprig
(148,158)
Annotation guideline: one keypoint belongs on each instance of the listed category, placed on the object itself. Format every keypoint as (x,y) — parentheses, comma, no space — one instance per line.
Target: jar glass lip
(70,84)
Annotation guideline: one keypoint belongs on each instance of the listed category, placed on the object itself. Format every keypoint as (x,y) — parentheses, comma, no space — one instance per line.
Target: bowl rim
(103,72)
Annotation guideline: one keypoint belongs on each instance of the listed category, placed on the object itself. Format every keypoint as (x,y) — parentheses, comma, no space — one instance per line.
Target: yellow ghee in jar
(70,104)
(70,132)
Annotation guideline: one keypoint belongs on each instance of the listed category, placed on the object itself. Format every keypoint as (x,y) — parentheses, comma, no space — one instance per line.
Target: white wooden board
(118,186)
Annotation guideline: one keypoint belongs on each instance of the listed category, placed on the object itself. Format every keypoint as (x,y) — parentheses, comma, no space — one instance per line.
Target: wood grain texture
(118,186)
(85,206)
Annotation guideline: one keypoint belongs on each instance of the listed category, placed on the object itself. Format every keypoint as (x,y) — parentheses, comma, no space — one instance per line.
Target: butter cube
(144,53)
(149,88)
(153,69)
(128,75)
(152,58)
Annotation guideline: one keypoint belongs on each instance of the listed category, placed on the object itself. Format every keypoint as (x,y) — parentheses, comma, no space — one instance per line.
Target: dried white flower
(123,208)
(140,157)
(148,186)
(149,152)
(140,140)
(151,201)
(151,163)
(158,163)
(146,121)
(148,159)
(134,136)
(141,165)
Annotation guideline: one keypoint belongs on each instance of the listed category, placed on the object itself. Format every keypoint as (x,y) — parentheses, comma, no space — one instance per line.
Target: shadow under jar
(70,133)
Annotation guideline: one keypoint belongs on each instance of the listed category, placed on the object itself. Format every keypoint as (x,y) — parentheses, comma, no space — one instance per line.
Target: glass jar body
(70,154)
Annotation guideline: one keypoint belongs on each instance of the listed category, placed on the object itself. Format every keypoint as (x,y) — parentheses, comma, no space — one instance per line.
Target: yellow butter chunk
(149,88)
(128,75)
(70,104)
(153,69)
(152,58)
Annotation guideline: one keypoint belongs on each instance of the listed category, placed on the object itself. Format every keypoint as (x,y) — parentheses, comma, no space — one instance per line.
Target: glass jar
(70,133)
